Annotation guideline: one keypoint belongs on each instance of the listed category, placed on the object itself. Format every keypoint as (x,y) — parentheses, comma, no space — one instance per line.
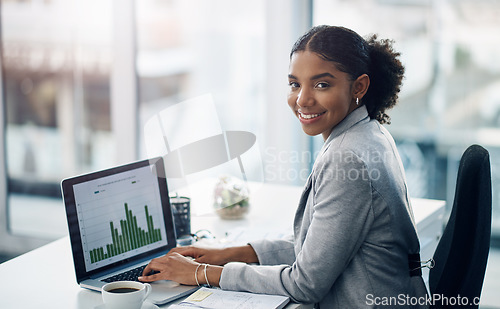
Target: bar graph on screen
(131,237)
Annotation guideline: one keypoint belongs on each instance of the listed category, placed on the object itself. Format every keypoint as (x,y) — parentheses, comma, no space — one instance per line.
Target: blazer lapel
(305,192)
(302,205)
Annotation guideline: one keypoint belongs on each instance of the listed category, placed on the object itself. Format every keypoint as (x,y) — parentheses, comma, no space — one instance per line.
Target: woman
(354,235)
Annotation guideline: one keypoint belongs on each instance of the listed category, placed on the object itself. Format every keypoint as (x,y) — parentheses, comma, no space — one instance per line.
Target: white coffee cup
(125,294)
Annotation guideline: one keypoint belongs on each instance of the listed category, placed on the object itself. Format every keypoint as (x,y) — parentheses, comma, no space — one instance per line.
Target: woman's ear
(360,86)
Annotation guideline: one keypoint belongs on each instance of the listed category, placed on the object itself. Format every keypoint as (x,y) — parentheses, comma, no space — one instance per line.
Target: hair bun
(386,75)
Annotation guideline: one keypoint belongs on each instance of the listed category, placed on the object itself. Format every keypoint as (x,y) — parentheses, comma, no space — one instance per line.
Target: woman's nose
(304,98)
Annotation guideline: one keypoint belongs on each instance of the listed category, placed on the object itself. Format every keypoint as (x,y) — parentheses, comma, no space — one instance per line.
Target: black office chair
(462,253)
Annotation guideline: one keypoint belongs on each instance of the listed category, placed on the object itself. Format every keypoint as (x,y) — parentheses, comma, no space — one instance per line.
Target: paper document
(219,299)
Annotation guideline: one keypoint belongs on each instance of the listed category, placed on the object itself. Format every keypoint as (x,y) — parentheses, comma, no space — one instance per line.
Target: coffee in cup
(123,290)
(125,294)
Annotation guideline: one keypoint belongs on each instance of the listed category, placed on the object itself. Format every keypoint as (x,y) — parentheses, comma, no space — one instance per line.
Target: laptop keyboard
(130,275)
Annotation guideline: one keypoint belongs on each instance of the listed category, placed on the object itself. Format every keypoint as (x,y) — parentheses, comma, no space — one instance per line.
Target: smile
(309,116)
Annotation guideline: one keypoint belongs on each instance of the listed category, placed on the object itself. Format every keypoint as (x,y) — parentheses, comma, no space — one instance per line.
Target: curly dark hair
(355,56)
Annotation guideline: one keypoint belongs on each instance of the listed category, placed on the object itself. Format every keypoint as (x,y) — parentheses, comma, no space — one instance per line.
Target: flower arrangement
(231,198)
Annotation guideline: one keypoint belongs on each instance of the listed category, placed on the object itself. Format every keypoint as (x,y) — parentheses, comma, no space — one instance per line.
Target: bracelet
(206,278)
(196,275)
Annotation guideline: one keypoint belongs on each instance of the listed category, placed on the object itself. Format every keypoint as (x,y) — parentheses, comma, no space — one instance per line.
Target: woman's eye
(293,84)
(322,85)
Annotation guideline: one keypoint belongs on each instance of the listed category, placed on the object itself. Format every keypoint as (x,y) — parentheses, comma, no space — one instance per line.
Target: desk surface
(44,277)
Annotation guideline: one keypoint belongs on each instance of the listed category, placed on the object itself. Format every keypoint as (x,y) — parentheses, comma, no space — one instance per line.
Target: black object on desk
(182,216)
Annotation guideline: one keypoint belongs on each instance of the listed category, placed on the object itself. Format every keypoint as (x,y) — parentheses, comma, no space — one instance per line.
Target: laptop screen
(118,215)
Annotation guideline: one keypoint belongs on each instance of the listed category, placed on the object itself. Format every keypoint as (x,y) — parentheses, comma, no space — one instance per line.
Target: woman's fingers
(172,266)
(151,278)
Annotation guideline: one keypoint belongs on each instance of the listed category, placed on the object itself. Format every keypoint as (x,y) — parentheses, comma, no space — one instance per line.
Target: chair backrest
(462,253)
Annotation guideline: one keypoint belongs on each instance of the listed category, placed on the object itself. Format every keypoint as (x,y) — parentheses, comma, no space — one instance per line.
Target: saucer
(145,305)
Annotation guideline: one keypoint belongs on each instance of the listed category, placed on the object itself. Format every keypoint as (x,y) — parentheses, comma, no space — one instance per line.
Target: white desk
(44,278)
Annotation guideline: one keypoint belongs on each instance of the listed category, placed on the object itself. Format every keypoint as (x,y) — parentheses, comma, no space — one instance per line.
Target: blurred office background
(80,78)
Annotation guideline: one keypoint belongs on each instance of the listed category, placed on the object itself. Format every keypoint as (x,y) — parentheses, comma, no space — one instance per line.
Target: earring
(357,101)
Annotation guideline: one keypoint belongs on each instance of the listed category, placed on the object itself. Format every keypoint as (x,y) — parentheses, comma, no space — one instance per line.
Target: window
(189,48)
(56,62)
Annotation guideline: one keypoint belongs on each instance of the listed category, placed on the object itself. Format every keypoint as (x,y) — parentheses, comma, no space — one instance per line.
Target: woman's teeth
(310,116)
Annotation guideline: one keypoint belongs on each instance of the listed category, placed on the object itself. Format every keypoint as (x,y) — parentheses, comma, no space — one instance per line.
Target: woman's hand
(172,266)
(176,265)
(181,269)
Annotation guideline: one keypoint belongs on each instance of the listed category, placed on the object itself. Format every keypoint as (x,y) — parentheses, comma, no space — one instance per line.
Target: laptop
(119,219)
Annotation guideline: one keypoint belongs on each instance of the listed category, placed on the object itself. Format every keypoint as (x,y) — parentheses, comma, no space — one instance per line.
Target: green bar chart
(127,236)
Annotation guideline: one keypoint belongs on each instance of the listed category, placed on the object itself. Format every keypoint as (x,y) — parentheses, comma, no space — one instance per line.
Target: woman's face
(320,95)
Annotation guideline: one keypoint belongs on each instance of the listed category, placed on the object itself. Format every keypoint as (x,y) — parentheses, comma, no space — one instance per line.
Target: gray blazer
(353,229)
